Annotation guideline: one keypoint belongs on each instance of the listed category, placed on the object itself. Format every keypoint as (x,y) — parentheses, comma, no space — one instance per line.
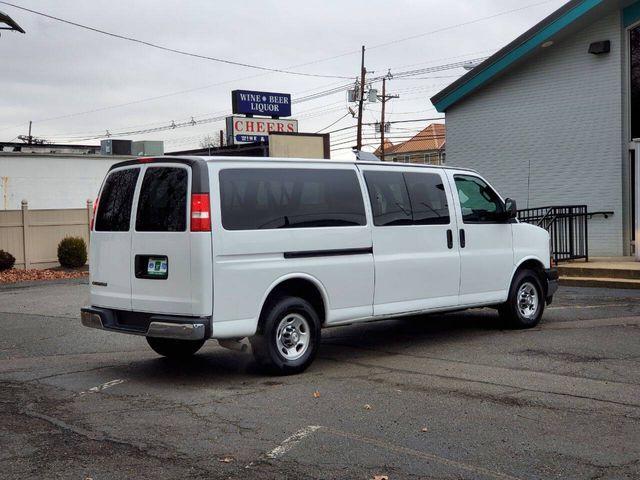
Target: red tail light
(200,213)
(93,217)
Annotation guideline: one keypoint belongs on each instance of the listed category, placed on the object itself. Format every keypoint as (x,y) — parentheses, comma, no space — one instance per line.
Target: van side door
(161,248)
(416,258)
(486,240)
(111,240)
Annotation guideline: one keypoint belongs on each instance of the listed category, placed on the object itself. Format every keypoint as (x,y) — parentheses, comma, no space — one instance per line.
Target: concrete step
(600,282)
(599,272)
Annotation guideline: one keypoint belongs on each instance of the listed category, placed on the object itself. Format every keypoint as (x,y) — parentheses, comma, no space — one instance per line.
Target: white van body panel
(415,270)
(486,260)
(110,263)
(248,263)
(530,243)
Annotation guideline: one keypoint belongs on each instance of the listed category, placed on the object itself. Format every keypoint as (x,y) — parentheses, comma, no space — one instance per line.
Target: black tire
(520,314)
(171,348)
(280,322)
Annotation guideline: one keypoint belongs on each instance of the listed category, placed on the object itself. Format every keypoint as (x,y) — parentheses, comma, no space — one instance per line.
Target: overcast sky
(59,70)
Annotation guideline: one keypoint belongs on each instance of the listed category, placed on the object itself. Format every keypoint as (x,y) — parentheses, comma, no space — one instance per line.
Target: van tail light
(93,217)
(200,213)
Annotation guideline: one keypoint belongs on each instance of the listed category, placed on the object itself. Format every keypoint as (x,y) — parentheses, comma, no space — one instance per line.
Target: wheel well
(538,268)
(299,287)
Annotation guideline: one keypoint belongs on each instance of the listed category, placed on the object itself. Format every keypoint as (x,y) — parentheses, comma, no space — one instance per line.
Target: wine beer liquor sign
(249,129)
(267,104)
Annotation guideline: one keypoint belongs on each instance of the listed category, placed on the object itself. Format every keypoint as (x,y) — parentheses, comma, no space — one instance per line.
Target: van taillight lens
(93,217)
(200,213)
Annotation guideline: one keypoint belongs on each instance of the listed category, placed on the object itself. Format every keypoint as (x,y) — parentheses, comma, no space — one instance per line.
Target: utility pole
(30,137)
(384,99)
(363,73)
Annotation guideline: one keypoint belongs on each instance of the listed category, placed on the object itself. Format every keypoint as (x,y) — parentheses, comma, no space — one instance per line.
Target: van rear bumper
(149,325)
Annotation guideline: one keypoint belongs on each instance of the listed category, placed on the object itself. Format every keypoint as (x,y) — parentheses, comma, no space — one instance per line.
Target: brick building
(427,147)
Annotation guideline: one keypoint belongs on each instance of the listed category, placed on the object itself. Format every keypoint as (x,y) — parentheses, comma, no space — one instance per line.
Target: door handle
(463,239)
(449,239)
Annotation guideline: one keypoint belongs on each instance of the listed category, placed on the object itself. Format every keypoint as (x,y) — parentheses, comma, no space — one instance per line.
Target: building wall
(562,113)
(51,181)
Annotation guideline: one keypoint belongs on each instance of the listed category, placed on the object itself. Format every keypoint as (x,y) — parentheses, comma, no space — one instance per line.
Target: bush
(6,260)
(72,252)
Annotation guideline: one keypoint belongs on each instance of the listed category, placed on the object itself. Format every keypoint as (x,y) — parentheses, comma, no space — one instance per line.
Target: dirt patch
(16,275)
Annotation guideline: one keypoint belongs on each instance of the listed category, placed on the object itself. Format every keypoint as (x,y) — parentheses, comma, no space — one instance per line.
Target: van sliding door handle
(449,239)
(463,239)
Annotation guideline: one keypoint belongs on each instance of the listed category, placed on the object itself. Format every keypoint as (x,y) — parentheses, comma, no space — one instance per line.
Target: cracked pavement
(442,397)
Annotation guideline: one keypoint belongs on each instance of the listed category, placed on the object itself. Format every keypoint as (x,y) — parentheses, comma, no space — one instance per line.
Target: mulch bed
(18,275)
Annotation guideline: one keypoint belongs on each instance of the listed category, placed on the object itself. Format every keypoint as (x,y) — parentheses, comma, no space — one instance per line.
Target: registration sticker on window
(157,267)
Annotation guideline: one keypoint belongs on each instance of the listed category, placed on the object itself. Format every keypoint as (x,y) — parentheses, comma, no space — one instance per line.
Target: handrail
(567,226)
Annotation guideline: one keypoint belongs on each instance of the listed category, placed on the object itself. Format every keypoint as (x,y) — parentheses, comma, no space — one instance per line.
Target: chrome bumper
(159,326)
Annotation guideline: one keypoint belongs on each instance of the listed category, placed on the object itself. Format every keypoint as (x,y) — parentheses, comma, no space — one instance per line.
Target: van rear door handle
(449,239)
(463,239)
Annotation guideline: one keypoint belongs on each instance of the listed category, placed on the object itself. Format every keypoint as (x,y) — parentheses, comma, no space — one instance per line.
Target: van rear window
(162,206)
(255,199)
(114,206)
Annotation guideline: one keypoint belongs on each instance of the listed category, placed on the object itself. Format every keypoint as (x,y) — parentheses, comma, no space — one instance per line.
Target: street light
(12,25)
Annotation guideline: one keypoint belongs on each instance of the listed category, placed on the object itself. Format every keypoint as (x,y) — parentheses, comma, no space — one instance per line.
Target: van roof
(193,159)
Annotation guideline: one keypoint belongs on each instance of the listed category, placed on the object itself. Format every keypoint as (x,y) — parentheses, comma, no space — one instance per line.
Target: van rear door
(110,265)
(161,253)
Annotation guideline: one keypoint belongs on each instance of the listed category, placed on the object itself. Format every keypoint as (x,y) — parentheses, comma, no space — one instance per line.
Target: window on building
(634,55)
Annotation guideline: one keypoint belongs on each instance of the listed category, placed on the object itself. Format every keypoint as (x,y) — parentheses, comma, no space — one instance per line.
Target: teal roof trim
(535,41)
(631,14)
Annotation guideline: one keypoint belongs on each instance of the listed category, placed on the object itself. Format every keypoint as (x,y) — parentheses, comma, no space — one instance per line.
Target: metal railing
(567,226)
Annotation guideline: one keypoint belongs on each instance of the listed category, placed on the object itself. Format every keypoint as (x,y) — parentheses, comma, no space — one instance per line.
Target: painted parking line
(104,386)
(291,441)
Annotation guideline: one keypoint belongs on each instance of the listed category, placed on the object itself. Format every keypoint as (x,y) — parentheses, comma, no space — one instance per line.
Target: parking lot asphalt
(441,397)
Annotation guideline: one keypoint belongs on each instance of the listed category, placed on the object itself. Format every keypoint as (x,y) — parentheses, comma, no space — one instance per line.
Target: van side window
(114,205)
(270,198)
(428,198)
(162,206)
(389,198)
(480,204)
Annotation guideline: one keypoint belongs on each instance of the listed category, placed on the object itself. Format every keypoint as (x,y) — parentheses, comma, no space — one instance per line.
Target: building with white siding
(550,119)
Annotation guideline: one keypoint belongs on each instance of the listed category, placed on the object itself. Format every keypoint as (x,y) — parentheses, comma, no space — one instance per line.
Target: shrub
(6,260)
(72,252)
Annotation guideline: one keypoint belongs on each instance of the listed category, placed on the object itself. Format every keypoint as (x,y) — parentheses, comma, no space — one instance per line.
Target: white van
(188,249)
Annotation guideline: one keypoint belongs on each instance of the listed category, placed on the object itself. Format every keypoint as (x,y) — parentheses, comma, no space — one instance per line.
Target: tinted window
(478,201)
(428,198)
(290,198)
(162,206)
(114,206)
(389,198)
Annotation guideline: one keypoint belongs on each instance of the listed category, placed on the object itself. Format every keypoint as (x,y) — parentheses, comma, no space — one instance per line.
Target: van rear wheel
(171,348)
(525,305)
(288,336)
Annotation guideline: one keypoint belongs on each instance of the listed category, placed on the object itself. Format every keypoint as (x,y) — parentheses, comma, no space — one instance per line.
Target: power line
(172,50)
(331,125)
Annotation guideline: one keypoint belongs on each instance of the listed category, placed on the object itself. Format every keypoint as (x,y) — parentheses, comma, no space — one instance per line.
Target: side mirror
(511,209)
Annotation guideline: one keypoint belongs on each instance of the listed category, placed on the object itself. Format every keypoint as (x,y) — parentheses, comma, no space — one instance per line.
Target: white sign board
(249,130)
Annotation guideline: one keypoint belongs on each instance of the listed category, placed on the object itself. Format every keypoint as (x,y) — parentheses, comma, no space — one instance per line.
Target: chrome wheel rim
(528,300)
(293,336)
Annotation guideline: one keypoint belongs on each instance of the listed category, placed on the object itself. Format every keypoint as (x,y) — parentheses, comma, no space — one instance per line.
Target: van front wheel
(288,336)
(525,305)
(171,348)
